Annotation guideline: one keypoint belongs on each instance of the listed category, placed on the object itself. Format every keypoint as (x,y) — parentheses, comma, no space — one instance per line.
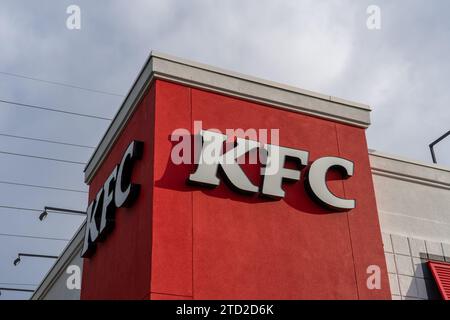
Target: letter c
(317,184)
(125,191)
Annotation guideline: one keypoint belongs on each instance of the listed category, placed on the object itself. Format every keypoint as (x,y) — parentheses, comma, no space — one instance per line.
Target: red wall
(120,267)
(210,244)
(180,241)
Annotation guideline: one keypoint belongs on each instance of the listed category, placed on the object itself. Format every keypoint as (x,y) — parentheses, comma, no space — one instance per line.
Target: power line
(25,209)
(31,237)
(20,208)
(25,105)
(40,186)
(16,289)
(18,284)
(42,158)
(58,83)
(45,140)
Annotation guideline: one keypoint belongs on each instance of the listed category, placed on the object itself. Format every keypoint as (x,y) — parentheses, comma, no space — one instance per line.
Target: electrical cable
(41,158)
(19,208)
(58,83)
(46,108)
(50,210)
(17,284)
(45,140)
(31,237)
(40,186)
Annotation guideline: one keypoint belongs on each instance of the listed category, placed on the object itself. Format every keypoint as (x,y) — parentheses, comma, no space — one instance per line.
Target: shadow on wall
(175,177)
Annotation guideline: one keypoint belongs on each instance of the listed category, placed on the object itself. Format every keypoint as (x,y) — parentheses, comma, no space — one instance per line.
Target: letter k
(212,158)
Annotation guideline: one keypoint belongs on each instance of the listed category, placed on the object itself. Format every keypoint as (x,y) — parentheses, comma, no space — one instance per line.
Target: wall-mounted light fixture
(15,289)
(44,213)
(32,255)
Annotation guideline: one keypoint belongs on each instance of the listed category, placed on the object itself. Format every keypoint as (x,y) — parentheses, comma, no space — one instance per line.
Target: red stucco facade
(187,242)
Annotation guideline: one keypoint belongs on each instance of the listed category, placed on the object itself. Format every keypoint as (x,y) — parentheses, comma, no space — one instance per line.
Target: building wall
(68,268)
(120,266)
(413,202)
(220,244)
(59,289)
(413,198)
(409,276)
(405,247)
(187,242)
(183,241)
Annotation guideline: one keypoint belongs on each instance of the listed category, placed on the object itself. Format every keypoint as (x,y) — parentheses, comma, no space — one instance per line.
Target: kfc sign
(118,191)
(211,158)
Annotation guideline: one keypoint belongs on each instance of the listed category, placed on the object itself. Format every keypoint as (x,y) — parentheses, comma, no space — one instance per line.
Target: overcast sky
(402,71)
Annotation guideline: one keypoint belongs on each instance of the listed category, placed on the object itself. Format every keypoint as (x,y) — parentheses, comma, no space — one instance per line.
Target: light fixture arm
(60,211)
(37,255)
(433,155)
(65,211)
(32,255)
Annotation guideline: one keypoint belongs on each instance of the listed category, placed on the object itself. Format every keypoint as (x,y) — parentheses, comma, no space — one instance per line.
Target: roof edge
(257,80)
(166,67)
(60,264)
(409,170)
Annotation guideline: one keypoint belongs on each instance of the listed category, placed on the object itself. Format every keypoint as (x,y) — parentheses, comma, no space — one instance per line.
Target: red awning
(441,273)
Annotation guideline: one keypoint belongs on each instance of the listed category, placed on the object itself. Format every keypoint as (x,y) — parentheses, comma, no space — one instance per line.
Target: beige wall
(54,285)
(413,201)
